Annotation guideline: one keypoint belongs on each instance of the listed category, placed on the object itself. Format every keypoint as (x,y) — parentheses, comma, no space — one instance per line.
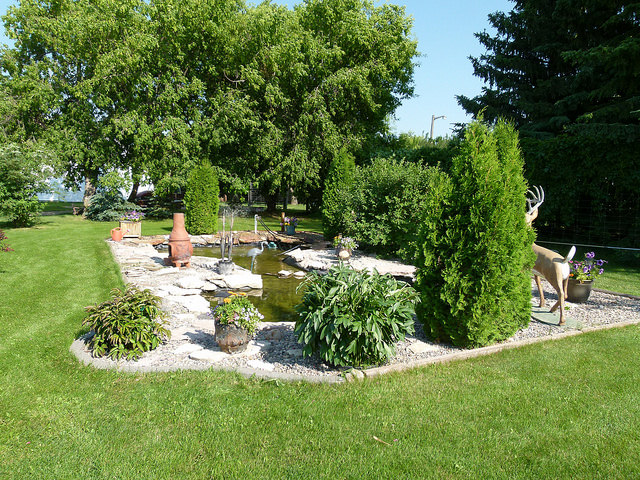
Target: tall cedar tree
(475,260)
(201,201)
(336,189)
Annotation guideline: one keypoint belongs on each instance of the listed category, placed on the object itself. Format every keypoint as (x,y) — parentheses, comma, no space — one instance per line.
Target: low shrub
(353,318)
(386,203)
(128,325)
(108,206)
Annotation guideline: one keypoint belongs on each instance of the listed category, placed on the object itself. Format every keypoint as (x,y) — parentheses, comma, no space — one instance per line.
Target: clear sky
(444,30)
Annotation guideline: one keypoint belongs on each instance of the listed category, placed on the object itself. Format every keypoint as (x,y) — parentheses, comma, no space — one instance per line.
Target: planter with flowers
(290,224)
(131,224)
(236,320)
(582,274)
(344,246)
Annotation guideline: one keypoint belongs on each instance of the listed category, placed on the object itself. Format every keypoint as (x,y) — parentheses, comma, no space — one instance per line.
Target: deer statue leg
(540,291)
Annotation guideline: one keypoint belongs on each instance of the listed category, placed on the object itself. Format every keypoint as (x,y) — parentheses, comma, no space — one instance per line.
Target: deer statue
(550,265)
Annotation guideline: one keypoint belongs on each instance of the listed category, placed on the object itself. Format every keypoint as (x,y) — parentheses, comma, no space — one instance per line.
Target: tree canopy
(561,64)
(152,88)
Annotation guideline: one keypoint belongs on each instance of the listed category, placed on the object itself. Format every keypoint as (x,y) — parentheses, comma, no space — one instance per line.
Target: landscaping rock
(240,279)
(191,283)
(259,364)
(187,349)
(208,355)
(192,303)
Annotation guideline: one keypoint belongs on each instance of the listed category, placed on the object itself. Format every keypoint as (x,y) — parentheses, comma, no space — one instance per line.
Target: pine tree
(201,201)
(335,215)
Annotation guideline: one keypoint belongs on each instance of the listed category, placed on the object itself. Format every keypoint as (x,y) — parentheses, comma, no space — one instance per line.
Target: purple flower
(585,269)
(590,255)
(601,271)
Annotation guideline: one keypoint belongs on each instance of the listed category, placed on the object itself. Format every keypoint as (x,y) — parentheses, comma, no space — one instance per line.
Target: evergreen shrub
(108,205)
(352,318)
(202,201)
(335,212)
(475,257)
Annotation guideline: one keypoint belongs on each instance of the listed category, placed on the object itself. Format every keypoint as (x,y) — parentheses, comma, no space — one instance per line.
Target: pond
(278,297)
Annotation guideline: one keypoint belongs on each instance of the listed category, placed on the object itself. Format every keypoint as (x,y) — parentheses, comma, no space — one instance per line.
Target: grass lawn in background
(559,409)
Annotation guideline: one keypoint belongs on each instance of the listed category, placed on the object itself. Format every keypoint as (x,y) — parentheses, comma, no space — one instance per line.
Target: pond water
(278,297)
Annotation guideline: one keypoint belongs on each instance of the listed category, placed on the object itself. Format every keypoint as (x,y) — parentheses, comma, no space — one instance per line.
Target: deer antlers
(534,200)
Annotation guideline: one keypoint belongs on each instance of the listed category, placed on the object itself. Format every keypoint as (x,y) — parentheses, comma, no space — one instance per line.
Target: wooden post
(282,222)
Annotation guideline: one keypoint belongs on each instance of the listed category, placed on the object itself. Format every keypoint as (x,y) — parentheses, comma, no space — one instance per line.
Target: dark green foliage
(386,203)
(354,318)
(335,217)
(20,180)
(473,276)
(202,200)
(126,326)
(108,206)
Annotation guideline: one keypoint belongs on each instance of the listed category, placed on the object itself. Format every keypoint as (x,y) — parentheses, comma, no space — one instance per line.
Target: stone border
(78,349)
(484,351)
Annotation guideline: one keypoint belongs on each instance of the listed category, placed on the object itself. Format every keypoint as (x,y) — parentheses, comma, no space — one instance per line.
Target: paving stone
(295,352)
(182,333)
(187,349)
(285,273)
(190,283)
(207,325)
(241,279)
(193,303)
(421,347)
(209,355)
(259,364)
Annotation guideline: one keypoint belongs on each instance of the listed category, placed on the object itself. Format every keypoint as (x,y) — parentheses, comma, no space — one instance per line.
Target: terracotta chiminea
(180,248)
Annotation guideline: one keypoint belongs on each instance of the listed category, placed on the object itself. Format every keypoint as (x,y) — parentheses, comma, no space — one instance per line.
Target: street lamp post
(433,119)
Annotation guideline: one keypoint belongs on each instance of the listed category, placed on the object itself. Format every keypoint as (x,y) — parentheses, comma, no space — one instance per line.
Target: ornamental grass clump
(586,270)
(352,318)
(128,325)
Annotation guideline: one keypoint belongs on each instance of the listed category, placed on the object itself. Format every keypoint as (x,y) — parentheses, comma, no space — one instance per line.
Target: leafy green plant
(201,201)
(475,256)
(239,311)
(127,325)
(108,205)
(3,246)
(353,318)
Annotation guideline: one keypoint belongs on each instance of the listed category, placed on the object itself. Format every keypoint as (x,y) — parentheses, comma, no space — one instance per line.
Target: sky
(445,33)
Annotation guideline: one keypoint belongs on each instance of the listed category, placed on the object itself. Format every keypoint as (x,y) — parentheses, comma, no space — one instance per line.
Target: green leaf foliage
(335,217)
(202,201)
(127,325)
(352,318)
(475,258)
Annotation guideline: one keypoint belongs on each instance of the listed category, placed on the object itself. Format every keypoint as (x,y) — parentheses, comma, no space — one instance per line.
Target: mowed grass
(561,409)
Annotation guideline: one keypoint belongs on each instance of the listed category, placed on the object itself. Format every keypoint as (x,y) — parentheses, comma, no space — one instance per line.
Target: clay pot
(180,248)
(231,338)
(116,234)
(578,292)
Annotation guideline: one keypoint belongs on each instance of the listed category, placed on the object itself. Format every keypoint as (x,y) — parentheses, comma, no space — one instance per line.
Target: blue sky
(444,30)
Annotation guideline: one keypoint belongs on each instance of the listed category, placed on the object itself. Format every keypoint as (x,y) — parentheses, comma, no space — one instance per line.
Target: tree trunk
(89,190)
(134,192)
(271,201)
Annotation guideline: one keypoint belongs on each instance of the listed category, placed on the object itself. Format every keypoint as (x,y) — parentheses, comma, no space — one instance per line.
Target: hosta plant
(128,325)
(352,318)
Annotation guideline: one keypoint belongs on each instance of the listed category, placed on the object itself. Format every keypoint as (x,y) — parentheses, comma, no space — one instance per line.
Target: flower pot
(225,267)
(343,253)
(578,292)
(290,229)
(116,234)
(131,229)
(231,338)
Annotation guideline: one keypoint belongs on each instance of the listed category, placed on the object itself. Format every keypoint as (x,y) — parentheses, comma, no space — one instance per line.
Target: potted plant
(581,277)
(131,224)
(236,321)
(290,224)
(344,246)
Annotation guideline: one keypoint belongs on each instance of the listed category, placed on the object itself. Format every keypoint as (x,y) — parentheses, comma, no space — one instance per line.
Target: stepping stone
(193,303)
(187,349)
(299,274)
(259,364)
(207,325)
(209,355)
(543,315)
(421,347)
(182,333)
(190,283)
(295,352)
(285,273)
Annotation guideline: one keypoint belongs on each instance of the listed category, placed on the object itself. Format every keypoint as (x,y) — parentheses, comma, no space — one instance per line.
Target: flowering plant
(3,246)
(588,269)
(239,311)
(132,216)
(290,221)
(344,242)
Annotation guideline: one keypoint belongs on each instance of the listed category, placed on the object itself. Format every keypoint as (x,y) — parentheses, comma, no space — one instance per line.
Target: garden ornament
(254,252)
(180,248)
(549,264)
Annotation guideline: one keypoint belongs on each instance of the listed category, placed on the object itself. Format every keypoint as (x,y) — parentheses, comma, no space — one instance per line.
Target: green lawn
(561,409)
